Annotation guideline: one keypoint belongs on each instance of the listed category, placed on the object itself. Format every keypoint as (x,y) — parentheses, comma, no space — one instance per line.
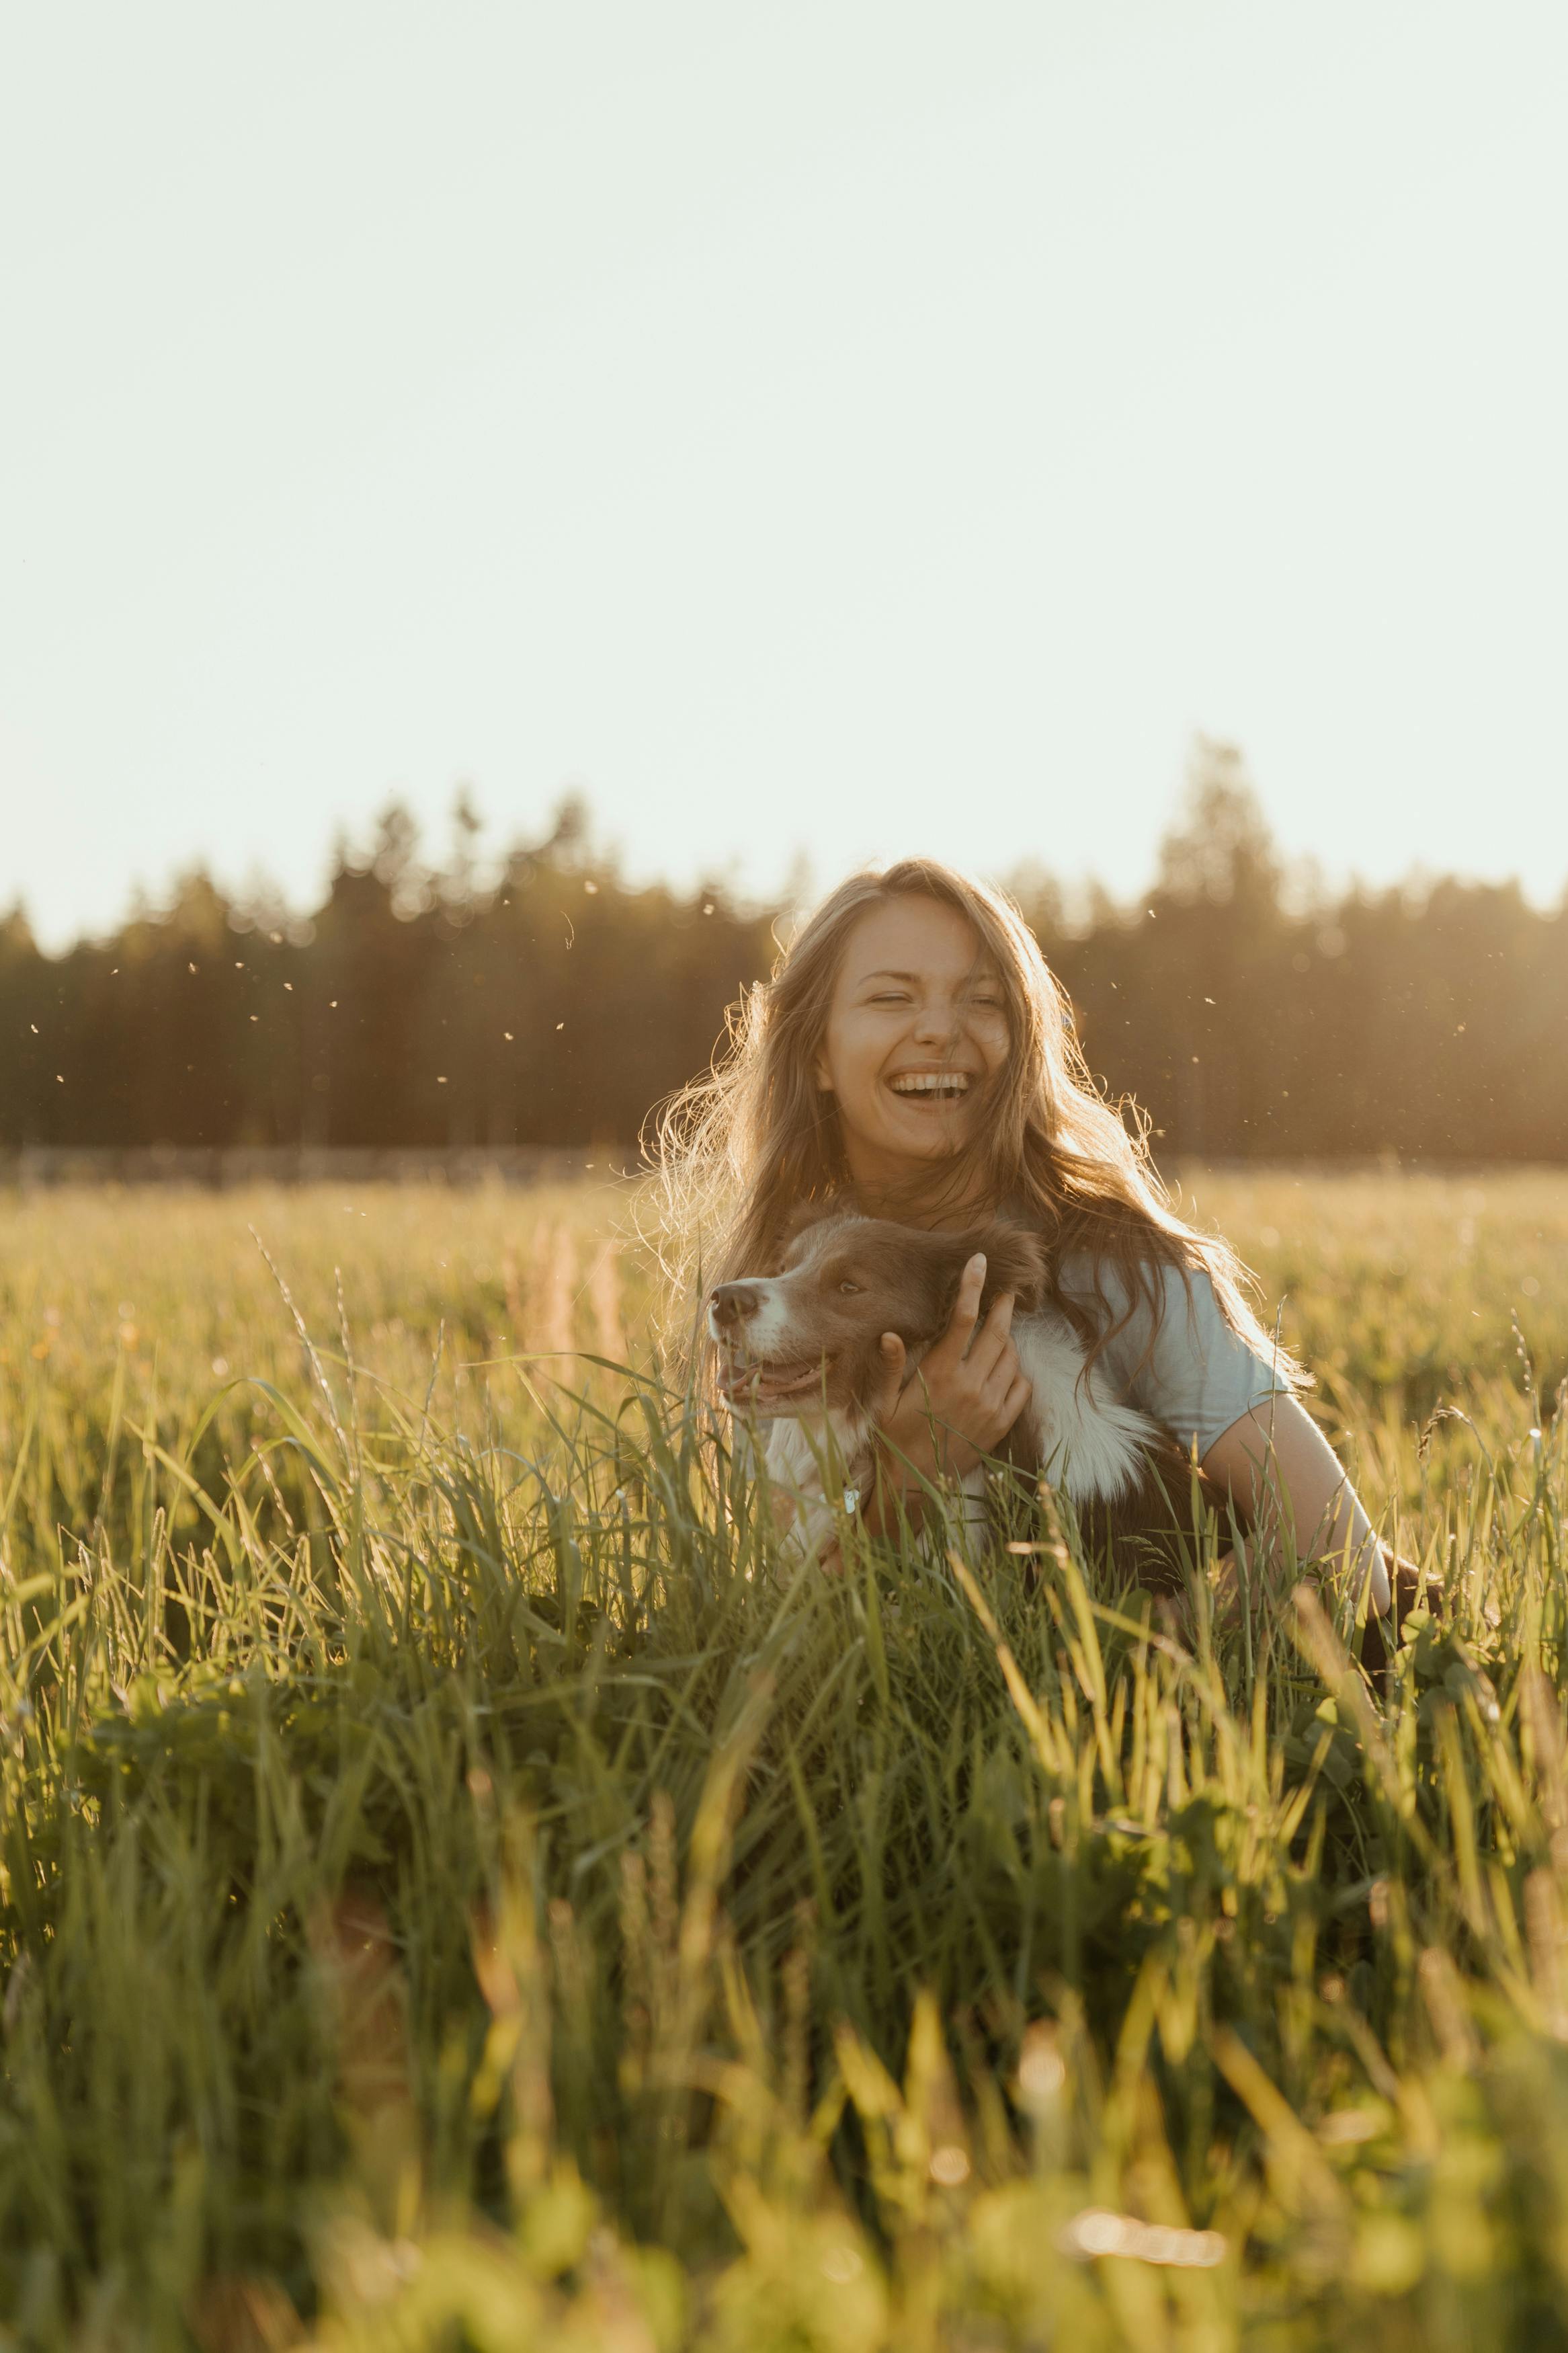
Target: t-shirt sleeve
(1201,1375)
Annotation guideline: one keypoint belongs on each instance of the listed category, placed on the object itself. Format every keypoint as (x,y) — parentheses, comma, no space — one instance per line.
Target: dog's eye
(851,1289)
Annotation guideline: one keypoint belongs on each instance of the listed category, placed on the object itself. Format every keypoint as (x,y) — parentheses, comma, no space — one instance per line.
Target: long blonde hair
(739,1151)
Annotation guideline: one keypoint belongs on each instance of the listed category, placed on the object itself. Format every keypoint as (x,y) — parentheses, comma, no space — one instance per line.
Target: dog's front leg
(815,1471)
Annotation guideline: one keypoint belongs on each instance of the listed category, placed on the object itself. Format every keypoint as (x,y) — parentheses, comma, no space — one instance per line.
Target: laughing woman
(912,1057)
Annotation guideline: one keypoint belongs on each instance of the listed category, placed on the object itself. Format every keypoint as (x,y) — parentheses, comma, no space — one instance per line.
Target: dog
(800,1350)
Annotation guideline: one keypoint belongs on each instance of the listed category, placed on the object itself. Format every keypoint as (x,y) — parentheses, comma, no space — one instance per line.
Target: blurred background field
(460,1889)
(1401,1292)
(1400,1283)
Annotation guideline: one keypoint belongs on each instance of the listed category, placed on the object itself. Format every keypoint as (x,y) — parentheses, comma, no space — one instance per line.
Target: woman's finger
(997,1382)
(999,1374)
(889,1379)
(1018,1395)
(955,1342)
(994,1338)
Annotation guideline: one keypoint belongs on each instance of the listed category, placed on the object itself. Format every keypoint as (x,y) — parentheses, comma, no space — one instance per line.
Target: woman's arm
(1286,1478)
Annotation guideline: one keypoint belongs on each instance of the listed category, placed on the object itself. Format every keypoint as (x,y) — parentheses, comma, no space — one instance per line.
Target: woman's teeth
(948,1083)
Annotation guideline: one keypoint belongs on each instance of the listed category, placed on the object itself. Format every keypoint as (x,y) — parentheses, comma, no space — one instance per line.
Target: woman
(913,1054)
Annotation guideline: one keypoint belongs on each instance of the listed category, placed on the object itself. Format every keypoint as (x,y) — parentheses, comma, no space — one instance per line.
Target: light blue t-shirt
(1201,1375)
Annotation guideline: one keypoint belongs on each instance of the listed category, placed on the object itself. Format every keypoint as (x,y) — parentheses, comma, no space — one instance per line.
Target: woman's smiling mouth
(931,1086)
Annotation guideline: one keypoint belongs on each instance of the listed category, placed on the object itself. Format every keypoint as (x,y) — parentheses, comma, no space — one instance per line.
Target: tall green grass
(460,1887)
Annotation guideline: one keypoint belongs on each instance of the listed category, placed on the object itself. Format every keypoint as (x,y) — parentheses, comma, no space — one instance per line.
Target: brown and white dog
(800,1350)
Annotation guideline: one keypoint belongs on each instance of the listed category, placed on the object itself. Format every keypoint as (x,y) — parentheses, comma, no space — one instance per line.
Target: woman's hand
(961,1401)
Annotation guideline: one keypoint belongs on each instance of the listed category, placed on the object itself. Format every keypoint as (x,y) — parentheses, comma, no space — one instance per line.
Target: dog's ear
(1015,1261)
(804,1214)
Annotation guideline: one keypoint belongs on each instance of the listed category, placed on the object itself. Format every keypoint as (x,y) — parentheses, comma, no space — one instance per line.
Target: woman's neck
(924,1198)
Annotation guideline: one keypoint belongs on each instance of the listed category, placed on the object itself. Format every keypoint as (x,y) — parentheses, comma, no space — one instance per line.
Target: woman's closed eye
(984,1004)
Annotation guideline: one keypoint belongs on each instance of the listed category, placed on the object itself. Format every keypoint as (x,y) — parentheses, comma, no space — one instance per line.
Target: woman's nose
(734,1302)
(936,1024)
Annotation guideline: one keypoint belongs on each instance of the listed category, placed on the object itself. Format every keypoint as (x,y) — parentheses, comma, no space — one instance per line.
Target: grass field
(455,1892)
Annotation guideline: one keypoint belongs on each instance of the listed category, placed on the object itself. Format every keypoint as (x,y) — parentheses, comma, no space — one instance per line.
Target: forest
(545,999)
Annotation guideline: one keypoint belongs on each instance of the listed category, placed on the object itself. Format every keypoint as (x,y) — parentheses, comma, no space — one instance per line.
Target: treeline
(1252,1015)
(550,1002)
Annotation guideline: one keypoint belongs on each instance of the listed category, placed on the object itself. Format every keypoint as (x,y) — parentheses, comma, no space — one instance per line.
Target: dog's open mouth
(749,1383)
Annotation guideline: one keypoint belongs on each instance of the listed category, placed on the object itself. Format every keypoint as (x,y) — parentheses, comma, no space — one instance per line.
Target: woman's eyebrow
(971,979)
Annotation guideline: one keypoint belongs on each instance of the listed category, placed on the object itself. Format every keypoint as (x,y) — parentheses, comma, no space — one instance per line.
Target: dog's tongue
(760,1384)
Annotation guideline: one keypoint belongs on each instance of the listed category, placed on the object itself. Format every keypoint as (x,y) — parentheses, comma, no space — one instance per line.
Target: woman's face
(917,1026)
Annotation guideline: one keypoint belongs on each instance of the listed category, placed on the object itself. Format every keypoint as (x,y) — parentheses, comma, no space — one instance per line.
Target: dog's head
(807,1337)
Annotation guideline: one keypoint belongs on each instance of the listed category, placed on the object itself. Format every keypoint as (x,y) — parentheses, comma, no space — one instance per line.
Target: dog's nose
(734,1301)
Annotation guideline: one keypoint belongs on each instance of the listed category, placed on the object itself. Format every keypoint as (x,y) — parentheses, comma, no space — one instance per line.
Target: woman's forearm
(1288,1482)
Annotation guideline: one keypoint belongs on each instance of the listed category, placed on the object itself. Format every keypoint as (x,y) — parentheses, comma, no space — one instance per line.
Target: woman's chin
(927,1135)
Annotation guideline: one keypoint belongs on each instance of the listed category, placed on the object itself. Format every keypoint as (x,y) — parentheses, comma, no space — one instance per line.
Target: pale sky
(850,424)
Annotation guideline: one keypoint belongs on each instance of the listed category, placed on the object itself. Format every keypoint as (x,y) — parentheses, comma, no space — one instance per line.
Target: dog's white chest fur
(1090,1444)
